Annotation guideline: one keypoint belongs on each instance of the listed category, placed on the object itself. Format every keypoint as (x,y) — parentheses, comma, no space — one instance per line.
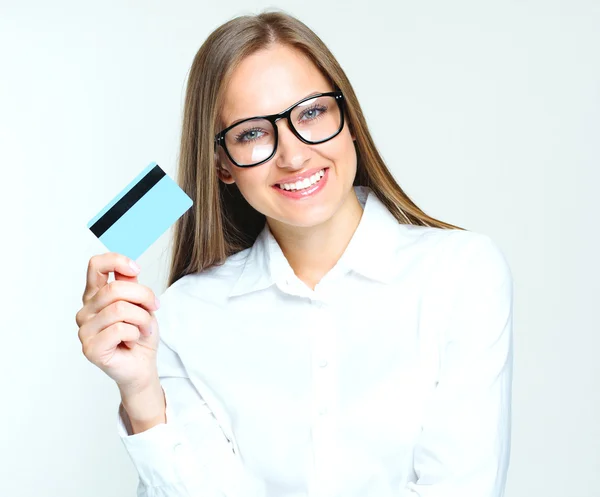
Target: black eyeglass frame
(273,118)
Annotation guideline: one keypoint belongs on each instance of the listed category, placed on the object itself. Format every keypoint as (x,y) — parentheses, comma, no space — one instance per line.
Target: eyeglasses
(253,141)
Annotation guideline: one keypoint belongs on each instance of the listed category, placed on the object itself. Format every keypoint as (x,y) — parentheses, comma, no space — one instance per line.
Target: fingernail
(134,266)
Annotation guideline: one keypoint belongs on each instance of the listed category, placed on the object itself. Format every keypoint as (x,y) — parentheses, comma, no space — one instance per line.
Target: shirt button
(323,363)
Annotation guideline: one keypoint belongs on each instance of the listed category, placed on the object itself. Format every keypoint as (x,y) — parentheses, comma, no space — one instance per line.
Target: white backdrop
(487,114)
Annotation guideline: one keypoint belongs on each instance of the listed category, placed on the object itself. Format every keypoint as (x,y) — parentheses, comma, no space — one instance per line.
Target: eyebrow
(244,118)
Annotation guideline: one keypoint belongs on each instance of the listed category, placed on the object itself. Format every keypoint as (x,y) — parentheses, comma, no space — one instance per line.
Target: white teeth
(299,185)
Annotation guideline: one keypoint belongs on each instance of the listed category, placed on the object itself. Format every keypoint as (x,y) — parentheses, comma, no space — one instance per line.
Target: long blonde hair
(221,222)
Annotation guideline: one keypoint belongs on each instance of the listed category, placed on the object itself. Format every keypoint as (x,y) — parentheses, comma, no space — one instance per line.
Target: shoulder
(197,296)
(478,254)
(449,257)
(201,293)
(466,258)
(211,285)
(467,286)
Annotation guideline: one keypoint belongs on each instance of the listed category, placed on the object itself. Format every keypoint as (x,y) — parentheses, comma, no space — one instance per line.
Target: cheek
(250,180)
(253,184)
(342,152)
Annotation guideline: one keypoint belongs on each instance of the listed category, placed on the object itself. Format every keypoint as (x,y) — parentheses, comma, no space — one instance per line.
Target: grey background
(486,112)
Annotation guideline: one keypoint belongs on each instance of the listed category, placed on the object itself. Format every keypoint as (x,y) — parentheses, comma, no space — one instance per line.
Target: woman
(321,335)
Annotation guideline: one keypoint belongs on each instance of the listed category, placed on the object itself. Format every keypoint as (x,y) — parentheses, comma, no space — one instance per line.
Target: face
(269,82)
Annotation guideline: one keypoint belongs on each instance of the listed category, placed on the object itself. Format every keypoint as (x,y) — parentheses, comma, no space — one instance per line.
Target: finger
(128,291)
(122,277)
(120,311)
(104,343)
(99,268)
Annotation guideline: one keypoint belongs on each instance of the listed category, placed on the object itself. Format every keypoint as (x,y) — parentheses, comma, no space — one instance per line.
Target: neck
(313,251)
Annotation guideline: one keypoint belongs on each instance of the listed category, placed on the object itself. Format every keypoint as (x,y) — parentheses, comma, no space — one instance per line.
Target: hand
(117,328)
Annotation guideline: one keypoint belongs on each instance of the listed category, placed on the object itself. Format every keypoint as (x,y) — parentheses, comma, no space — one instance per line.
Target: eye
(313,112)
(249,135)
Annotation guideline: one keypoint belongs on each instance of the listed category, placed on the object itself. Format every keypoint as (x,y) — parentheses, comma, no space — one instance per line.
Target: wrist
(139,388)
(144,405)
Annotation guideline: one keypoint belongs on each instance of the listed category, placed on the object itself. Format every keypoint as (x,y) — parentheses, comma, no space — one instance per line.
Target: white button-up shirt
(391,379)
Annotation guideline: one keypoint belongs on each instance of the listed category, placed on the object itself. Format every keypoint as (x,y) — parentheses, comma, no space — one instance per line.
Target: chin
(308,213)
(307,219)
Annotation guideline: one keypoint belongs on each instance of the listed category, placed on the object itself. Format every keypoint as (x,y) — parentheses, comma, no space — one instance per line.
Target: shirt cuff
(155,453)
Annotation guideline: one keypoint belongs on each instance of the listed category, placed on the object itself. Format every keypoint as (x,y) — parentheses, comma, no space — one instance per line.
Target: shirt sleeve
(464,446)
(189,455)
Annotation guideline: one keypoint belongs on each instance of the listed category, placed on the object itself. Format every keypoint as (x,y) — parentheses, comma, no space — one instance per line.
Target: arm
(145,409)
(188,455)
(464,447)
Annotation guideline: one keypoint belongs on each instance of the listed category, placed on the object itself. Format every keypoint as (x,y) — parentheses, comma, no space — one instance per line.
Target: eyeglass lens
(253,141)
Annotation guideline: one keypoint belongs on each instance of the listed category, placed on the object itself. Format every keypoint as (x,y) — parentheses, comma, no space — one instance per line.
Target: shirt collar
(265,265)
(372,249)
(370,252)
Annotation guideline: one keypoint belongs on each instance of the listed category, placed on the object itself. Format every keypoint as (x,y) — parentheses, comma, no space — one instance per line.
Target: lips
(299,177)
(304,193)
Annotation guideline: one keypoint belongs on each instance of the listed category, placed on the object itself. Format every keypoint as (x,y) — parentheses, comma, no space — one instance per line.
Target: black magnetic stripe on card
(128,200)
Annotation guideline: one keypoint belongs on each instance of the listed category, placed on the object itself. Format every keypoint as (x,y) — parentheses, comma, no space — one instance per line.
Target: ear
(224,175)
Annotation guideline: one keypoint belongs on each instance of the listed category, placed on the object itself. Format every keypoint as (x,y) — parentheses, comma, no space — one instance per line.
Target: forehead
(269,81)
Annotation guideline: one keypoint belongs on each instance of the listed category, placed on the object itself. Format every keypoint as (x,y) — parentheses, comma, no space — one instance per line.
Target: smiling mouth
(302,185)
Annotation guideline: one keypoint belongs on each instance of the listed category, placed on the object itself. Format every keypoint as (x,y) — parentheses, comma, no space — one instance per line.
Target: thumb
(124,277)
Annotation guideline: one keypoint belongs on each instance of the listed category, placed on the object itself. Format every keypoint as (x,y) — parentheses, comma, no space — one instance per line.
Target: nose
(291,152)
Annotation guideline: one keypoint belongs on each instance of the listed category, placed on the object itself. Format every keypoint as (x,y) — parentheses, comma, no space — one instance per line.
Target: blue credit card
(140,213)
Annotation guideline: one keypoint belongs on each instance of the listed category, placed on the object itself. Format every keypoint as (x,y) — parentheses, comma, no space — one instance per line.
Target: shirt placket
(324,386)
